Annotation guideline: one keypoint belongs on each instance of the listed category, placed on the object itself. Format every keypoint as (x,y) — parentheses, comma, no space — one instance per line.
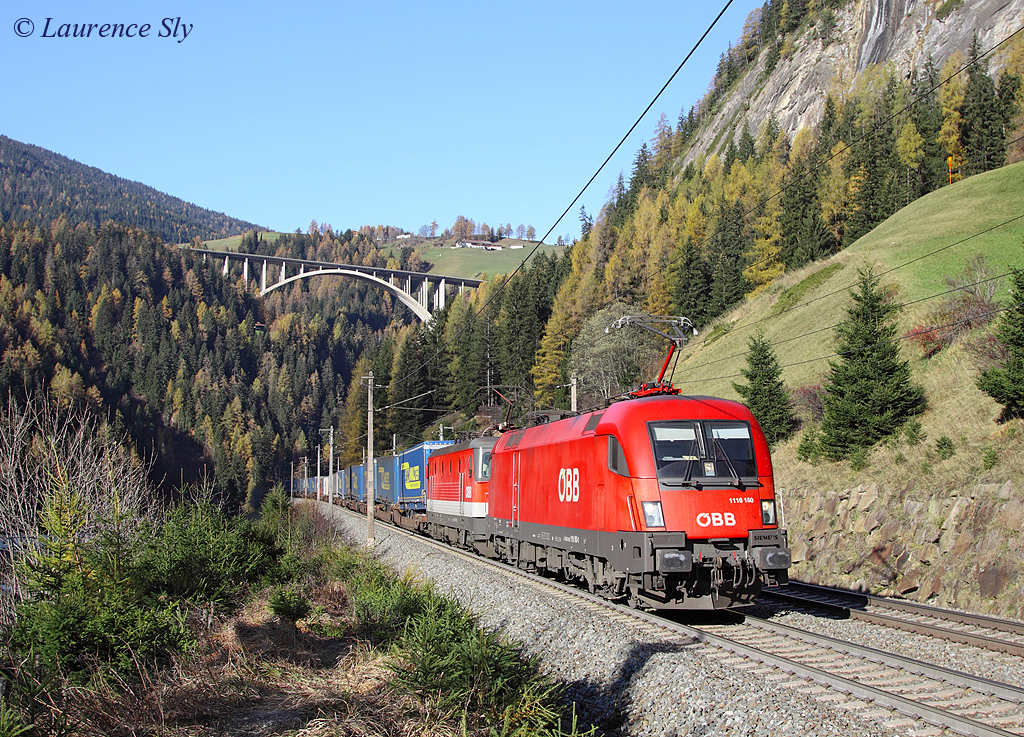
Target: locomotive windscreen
(685,451)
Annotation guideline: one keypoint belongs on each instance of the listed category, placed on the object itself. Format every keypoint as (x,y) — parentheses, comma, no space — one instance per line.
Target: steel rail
(922,628)
(913,708)
(976,620)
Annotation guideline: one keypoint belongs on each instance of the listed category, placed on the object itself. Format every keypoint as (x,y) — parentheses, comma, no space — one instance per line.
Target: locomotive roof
(627,416)
(487,443)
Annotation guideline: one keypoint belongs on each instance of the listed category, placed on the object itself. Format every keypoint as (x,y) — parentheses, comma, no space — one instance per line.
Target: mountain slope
(953,218)
(830,50)
(40,186)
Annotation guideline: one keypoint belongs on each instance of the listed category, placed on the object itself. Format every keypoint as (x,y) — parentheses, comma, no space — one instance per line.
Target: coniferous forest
(40,186)
(208,378)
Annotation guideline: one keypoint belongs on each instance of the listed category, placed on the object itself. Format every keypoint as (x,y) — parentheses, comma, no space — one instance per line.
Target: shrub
(989,459)
(289,604)
(859,459)
(201,553)
(809,449)
(453,663)
(925,337)
(944,447)
(809,401)
(970,306)
(83,627)
(913,433)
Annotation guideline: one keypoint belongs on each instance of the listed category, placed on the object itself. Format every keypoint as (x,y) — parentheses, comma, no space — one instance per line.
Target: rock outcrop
(904,33)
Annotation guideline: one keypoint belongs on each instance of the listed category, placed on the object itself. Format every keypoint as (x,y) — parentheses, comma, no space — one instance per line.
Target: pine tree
(764,393)
(1005,384)
(747,148)
(869,391)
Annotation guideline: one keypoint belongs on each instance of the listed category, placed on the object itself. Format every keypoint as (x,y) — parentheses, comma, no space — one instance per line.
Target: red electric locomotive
(457,481)
(666,500)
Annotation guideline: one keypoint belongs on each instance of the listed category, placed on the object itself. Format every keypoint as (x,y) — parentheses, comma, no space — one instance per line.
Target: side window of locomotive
(732,444)
(484,464)
(678,448)
(616,458)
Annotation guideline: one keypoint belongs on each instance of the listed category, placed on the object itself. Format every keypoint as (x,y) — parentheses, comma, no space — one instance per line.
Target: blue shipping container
(387,488)
(412,473)
(354,486)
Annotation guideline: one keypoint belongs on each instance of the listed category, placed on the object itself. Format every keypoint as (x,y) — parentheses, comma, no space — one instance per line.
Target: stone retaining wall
(963,550)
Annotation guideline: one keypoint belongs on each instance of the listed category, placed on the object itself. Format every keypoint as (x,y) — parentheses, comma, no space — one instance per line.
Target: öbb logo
(716,519)
(569,485)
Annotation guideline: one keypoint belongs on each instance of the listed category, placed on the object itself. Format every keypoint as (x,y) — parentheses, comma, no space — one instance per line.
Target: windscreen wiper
(735,474)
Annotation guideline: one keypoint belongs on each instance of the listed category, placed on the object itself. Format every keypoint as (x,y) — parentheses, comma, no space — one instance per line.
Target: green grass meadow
(474,263)
(914,250)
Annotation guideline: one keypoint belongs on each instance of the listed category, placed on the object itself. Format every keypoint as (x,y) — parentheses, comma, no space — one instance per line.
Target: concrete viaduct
(422,293)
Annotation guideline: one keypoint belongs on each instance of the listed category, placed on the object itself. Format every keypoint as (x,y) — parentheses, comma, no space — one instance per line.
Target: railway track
(895,691)
(990,633)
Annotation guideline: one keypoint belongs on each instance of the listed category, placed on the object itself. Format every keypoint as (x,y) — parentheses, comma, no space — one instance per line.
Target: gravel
(979,662)
(624,676)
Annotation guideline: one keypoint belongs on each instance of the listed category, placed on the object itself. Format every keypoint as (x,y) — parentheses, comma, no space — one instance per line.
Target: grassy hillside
(917,247)
(474,263)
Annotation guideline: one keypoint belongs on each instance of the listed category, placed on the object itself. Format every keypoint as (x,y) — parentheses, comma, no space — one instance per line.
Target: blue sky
(360,114)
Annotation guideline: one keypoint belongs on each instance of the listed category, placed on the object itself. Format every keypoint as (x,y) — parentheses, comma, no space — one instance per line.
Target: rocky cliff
(817,61)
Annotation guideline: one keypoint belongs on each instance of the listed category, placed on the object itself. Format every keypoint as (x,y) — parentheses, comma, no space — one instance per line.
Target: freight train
(663,501)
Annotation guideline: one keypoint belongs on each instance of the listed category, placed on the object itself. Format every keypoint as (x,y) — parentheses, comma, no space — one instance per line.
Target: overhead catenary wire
(776,194)
(933,328)
(843,322)
(522,264)
(884,273)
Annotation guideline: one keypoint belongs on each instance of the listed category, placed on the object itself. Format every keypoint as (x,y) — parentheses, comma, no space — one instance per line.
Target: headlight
(652,514)
(768,511)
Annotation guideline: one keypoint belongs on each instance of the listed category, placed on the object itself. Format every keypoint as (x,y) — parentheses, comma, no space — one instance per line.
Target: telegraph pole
(371,474)
(573,394)
(319,453)
(330,464)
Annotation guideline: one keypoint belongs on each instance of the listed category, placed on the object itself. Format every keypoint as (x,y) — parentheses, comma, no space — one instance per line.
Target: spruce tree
(869,391)
(765,394)
(1005,384)
(981,134)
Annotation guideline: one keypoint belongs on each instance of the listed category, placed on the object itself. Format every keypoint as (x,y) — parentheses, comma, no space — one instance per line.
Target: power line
(887,271)
(572,204)
(875,345)
(833,327)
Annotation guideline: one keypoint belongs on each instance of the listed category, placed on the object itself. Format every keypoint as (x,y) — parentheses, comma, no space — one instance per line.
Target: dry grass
(254,675)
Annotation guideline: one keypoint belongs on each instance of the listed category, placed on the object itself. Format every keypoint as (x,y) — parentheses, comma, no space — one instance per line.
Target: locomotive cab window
(483,464)
(691,453)
(616,458)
